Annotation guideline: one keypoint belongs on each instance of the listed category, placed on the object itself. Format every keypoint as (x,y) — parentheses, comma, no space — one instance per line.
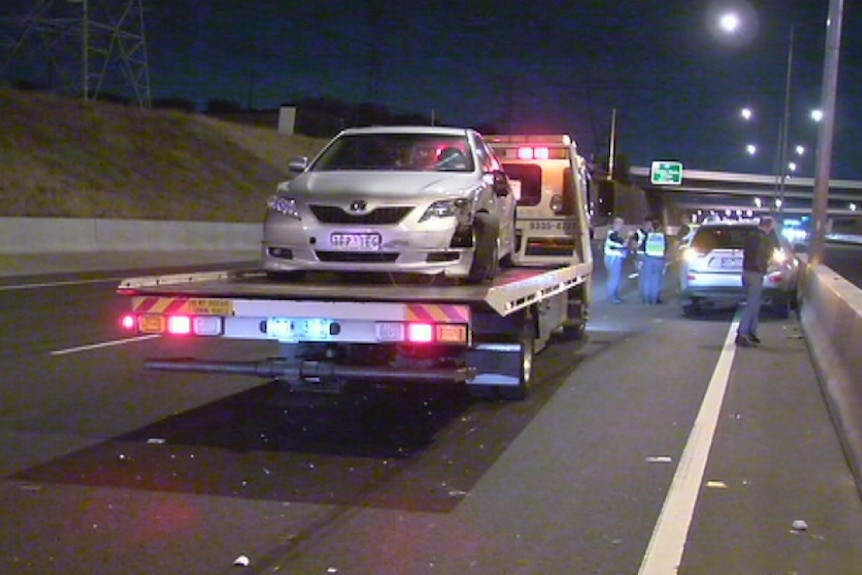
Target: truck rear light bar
(154,323)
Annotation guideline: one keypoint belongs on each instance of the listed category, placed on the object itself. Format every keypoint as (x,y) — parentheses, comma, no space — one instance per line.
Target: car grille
(380,216)
(358,257)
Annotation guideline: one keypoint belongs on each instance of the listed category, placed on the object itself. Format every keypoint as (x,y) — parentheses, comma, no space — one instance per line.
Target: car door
(504,205)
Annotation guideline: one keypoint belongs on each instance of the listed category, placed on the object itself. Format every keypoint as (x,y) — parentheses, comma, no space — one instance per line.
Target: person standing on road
(615,256)
(755,261)
(638,240)
(655,249)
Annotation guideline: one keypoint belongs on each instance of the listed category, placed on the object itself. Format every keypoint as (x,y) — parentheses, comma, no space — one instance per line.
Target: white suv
(428,200)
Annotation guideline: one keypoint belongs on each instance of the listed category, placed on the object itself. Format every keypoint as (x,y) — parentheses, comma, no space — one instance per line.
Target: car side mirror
(501,184)
(297,164)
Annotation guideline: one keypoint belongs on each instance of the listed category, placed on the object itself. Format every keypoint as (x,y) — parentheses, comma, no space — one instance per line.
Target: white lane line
(58,284)
(103,345)
(664,552)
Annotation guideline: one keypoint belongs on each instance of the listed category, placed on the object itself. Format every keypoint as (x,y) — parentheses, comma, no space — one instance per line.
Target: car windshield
(400,152)
(711,238)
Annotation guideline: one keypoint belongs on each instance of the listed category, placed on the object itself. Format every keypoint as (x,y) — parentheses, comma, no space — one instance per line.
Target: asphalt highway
(106,468)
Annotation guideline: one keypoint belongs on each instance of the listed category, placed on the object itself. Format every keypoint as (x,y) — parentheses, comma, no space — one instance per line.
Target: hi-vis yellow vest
(655,245)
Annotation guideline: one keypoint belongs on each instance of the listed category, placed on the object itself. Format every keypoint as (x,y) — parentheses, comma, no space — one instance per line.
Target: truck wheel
(486,255)
(527,339)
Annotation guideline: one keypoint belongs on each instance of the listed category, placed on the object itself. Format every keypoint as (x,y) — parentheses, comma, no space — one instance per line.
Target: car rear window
(711,238)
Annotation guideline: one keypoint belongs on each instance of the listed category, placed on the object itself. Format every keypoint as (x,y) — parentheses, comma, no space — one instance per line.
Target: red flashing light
(128,322)
(529,153)
(179,325)
(420,333)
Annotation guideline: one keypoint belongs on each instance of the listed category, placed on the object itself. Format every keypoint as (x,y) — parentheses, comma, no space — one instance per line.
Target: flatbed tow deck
(331,330)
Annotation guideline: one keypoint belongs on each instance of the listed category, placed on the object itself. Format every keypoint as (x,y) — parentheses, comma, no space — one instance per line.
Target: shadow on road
(391,447)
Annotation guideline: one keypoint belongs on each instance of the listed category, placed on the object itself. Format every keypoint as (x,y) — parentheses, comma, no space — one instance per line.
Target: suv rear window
(530,176)
(708,238)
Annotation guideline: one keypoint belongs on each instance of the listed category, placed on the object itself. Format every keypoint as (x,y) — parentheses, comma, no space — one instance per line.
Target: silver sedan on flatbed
(427,200)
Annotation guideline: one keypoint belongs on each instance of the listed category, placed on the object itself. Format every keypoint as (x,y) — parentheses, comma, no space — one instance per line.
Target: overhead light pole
(783,127)
(822,171)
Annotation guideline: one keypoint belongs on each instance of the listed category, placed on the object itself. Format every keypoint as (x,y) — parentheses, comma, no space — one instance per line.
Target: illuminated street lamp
(746,114)
(729,22)
(800,150)
(792,167)
(751,149)
(817,115)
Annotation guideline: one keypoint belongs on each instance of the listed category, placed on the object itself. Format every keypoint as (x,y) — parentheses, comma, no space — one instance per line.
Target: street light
(800,150)
(751,149)
(730,23)
(746,114)
(817,115)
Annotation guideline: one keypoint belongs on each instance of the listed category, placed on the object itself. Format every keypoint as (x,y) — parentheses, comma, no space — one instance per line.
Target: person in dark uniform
(755,261)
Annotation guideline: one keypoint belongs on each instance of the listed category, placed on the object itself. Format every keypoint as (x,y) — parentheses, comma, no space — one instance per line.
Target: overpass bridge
(758,193)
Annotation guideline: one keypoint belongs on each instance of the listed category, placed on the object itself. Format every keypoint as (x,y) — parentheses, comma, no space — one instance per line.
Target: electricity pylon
(94,48)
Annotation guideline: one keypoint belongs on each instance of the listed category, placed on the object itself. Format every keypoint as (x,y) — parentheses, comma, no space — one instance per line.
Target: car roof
(431,130)
(729,223)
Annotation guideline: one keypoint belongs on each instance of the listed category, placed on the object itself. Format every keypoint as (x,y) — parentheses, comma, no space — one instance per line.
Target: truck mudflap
(315,373)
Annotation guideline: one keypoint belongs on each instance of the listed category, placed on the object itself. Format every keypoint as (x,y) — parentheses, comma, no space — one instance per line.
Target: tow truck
(330,329)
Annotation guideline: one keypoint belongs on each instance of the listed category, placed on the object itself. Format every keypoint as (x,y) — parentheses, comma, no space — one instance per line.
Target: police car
(547,175)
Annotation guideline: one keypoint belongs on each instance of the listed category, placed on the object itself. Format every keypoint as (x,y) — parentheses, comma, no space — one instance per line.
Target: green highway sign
(666,173)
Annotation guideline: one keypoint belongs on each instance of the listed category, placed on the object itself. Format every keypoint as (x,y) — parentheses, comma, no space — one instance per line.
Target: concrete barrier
(831,317)
(41,235)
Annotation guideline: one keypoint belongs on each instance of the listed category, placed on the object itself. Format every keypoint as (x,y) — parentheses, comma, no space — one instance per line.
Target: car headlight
(447,209)
(284,206)
(779,256)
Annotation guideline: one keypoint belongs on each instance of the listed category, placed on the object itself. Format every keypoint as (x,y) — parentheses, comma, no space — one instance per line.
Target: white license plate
(358,242)
(731,263)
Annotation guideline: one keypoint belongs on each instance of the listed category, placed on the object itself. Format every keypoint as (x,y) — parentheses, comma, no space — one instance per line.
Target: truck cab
(550,181)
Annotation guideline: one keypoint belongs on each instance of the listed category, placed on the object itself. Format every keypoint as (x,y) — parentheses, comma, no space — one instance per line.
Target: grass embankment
(61,157)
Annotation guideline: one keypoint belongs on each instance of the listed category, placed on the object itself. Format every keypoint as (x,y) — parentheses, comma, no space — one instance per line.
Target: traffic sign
(666,173)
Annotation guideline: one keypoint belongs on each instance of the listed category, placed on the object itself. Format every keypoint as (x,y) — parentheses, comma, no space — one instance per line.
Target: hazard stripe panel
(437,313)
(182,306)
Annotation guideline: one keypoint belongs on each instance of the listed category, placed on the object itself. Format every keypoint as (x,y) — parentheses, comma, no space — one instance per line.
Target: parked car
(711,268)
(427,200)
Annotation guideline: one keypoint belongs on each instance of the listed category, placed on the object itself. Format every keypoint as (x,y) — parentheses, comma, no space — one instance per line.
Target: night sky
(543,66)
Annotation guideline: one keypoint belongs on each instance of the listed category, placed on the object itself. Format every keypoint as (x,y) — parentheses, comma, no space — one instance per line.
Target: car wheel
(692,309)
(486,251)
(527,341)
(782,307)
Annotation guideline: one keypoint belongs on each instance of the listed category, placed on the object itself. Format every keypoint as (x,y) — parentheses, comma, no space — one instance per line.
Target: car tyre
(486,232)
(782,307)
(527,340)
(692,309)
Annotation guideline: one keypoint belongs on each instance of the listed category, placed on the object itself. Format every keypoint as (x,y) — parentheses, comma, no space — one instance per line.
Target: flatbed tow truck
(334,329)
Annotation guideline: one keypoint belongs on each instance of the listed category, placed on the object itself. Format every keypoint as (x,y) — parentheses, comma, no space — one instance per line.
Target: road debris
(659,459)
(716,484)
(800,525)
(242,561)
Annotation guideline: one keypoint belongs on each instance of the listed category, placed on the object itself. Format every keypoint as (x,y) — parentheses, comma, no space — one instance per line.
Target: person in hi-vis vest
(616,250)
(638,241)
(655,250)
